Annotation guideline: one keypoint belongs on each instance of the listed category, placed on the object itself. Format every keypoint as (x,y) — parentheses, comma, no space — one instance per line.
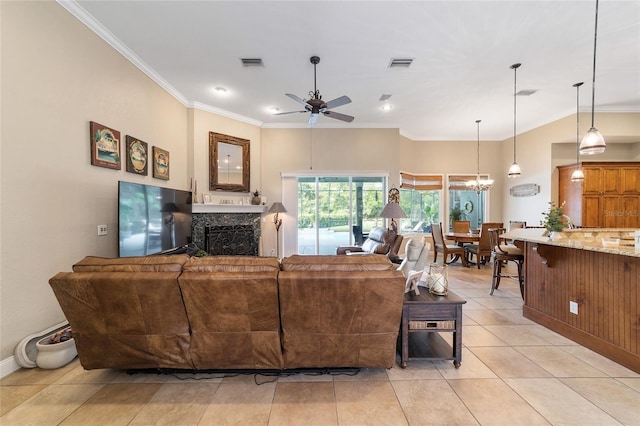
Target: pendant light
(479,185)
(514,170)
(577,175)
(593,142)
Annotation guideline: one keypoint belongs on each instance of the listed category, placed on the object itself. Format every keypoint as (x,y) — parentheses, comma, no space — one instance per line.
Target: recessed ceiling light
(386,107)
(273,110)
(220,90)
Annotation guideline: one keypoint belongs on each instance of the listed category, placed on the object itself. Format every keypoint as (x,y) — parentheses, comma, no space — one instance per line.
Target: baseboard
(8,366)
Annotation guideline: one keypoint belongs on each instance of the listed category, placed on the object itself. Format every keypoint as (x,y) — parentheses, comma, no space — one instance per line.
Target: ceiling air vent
(385,97)
(526,92)
(400,62)
(251,62)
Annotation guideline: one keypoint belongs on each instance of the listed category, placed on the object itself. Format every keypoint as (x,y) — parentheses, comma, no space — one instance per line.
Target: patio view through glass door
(329,208)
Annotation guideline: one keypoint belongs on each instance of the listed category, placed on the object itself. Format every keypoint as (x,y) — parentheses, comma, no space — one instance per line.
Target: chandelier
(478,184)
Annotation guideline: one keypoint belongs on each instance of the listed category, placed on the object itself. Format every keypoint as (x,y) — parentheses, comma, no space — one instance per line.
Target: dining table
(462,237)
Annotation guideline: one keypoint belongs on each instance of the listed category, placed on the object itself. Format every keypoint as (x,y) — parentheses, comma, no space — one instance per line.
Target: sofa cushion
(340,318)
(231,264)
(125,320)
(171,263)
(365,262)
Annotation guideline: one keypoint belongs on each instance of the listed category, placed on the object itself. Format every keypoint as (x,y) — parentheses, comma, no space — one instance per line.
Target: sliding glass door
(330,208)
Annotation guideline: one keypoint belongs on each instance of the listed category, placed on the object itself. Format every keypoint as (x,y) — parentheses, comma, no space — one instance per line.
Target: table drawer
(432,325)
(432,312)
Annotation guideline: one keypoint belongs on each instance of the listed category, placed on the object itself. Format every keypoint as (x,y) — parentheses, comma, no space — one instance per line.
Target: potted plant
(456,213)
(553,219)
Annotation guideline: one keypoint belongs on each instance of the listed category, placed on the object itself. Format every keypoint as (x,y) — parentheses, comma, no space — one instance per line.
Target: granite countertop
(585,239)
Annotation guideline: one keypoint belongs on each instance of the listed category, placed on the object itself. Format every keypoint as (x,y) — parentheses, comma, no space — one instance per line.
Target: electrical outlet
(573,307)
(102,230)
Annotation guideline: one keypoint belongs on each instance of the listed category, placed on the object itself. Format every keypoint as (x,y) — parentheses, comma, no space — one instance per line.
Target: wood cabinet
(608,197)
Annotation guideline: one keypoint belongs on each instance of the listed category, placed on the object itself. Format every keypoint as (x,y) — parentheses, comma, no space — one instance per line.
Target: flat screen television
(152,219)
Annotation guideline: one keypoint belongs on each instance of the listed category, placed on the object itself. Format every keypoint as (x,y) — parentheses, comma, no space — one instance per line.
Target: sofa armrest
(348,250)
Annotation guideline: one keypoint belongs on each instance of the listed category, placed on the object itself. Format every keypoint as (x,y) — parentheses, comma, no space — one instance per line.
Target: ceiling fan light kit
(316,106)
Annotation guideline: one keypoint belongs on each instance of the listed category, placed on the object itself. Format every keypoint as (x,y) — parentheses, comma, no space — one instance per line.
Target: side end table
(423,317)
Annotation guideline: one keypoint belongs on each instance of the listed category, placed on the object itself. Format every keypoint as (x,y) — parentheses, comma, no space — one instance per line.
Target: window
(420,197)
(330,207)
(465,204)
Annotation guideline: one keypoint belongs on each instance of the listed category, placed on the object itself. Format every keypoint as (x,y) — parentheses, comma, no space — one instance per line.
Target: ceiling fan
(316,106)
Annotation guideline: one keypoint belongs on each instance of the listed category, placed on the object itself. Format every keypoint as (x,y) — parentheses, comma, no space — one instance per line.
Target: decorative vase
(256,200)
(438,280)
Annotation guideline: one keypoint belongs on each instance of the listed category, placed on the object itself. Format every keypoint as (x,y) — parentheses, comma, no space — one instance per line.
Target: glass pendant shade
(577,175)
(592,143)
(514,170)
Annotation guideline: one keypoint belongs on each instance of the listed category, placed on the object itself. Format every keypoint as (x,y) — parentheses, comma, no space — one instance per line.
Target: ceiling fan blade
(312,120)
(339,116)
(288,112)
(342,100)
(296,98)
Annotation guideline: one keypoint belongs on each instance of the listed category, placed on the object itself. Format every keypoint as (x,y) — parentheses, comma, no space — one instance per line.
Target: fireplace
(227,233)
(236,240)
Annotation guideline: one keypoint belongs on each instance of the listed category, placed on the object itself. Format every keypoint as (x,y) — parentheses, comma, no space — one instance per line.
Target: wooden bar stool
(501,254)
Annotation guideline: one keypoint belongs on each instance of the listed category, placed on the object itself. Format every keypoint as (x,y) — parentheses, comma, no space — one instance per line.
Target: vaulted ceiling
(461,54)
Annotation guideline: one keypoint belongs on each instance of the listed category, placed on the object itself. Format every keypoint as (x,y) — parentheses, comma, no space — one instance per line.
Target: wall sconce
(277,208)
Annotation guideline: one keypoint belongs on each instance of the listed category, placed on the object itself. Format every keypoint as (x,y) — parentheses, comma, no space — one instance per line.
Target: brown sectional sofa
(233,312)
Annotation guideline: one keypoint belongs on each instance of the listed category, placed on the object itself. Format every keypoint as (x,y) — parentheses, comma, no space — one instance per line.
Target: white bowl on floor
(55,355)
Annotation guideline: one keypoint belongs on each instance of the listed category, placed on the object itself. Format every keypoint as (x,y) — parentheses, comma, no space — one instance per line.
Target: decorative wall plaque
(524,190)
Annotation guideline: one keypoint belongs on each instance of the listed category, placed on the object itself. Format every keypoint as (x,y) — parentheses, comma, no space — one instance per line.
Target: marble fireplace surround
(229,218)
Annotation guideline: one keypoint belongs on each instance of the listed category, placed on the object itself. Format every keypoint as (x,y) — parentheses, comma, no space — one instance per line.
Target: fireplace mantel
(227,208)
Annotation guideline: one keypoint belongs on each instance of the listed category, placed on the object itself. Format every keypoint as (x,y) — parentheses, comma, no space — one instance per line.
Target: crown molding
(81,14)
(208,108)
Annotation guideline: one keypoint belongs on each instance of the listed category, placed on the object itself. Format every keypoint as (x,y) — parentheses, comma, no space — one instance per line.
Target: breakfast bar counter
(584,284)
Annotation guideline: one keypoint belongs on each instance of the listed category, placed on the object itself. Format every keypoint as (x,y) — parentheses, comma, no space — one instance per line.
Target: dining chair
(461,226)
(516,224)
(440,246)
(482,250)
(501,254)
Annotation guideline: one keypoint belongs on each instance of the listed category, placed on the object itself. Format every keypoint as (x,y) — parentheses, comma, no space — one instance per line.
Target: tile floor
(513,372)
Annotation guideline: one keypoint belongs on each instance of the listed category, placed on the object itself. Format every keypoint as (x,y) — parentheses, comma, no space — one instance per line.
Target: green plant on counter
(553,219)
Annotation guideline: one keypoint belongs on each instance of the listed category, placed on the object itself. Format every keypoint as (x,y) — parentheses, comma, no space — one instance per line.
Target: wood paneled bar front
(575,272)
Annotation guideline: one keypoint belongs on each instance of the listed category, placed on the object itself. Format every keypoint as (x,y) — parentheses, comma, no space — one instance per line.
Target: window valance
(420,182)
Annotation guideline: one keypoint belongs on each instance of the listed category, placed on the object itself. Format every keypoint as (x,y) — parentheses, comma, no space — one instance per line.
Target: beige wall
(56,76)
(538,156)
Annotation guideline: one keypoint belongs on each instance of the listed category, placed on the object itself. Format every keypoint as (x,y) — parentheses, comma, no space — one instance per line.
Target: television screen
(152,219)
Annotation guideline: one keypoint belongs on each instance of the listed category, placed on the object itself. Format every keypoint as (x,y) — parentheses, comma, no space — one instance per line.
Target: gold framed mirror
(229,165)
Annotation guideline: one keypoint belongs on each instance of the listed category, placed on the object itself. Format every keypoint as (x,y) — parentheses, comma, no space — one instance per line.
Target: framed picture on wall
(105,146)
(137,154)
(160,163)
